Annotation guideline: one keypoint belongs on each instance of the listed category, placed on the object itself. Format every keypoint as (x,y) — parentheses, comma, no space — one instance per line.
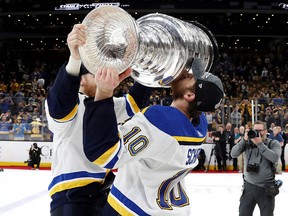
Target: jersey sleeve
(62,99)
(140,94)
(125,107)
(130,104)
(100,133)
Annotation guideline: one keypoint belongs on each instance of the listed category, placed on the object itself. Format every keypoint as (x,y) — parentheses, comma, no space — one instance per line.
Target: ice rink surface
(24,192)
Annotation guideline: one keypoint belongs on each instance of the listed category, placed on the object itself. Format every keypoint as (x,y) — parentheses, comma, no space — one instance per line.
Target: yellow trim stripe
(105,157)
(118,207)
(71,184)
(189,139)
(144,110)
(69,116)
(133,103)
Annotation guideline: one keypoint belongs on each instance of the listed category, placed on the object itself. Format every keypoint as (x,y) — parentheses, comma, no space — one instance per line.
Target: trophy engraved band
(157,46)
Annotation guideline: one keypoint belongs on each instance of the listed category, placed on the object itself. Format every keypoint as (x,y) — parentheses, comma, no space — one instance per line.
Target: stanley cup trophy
(157,46)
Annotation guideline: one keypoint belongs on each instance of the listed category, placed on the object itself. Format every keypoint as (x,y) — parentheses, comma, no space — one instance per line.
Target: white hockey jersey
(75,170)
(70,167)
(154,151)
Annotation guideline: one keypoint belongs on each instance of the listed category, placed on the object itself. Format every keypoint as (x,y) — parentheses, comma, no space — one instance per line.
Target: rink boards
(14,153)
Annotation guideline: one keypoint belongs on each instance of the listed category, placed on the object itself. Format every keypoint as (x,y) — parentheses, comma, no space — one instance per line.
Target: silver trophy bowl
(158,47)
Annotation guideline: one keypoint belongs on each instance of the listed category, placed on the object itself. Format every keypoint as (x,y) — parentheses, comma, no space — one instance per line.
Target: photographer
(219,138)
(261,154)
(34,156)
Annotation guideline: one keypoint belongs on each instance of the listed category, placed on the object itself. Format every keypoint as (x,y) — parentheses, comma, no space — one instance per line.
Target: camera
(252,134)
(253,167)
(216,133)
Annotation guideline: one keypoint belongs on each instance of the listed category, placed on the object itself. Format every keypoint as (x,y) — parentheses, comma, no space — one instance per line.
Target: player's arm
(140,94)
(100,132)
(131,103)
(62,99)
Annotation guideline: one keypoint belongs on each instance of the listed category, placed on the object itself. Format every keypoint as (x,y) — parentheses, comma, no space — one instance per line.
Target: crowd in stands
(22,93)
(261,79)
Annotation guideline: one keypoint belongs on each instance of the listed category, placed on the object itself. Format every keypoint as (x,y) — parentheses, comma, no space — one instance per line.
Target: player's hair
(83,70)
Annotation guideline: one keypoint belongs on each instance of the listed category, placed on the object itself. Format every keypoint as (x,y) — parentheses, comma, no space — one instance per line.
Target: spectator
(26,117)
(230,138)
(264,75)
(276,135)
(18,108)
(228,108)
(261,154)
(275,118)
(8,115)
(210,120)
(284,134)
(14,86)
(285,137)
(3,86)
(239,134)
(5,127)
(219,116)
(6,104)
(236,117)
(166,98)
(19,96)
(154,99)
(270,129)
(18,129)
(245,108)
(25,120)
(285,118)
(219,139)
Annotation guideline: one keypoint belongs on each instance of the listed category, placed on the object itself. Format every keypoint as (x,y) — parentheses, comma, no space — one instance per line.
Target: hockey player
(78,186)
(154,150)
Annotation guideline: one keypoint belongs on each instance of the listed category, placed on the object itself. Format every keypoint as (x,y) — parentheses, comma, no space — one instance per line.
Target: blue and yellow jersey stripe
(68,117)
(74,180)
(171,121)
(189,140)
(131,106)
(109,158)
(126,206)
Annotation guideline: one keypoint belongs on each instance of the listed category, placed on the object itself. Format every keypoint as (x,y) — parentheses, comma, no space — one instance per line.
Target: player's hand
(107,79)
(76,38)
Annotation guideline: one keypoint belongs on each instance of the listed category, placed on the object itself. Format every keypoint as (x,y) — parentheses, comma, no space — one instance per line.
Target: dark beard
(194,113)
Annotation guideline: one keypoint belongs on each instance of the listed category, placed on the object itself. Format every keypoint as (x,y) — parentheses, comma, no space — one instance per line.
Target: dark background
(37,30)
